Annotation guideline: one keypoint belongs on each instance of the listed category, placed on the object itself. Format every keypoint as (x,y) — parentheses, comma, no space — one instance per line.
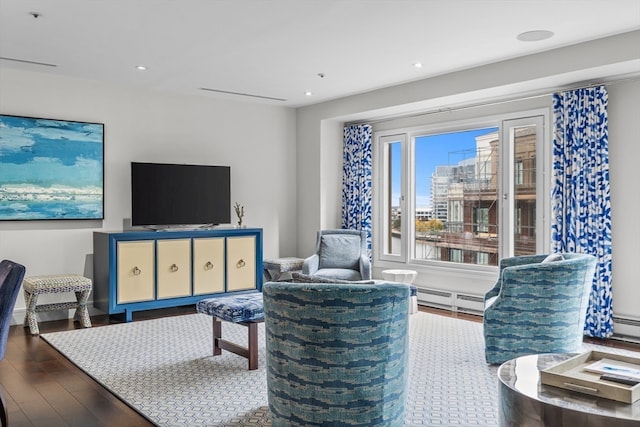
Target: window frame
(408,135)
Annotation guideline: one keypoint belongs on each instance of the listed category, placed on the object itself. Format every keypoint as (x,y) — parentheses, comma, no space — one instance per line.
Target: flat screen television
(167,195)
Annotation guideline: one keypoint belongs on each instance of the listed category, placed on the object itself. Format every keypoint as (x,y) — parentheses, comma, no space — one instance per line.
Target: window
(481,220)
(466,195)
(519,178)
(482,258)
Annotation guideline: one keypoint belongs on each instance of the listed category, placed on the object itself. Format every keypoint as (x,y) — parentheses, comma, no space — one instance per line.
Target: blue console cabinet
(142,270)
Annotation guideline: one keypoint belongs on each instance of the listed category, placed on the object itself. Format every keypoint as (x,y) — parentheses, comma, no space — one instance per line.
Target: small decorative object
(239,213)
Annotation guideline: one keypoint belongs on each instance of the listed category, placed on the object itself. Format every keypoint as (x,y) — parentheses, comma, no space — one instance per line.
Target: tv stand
(142,270)
(180,227)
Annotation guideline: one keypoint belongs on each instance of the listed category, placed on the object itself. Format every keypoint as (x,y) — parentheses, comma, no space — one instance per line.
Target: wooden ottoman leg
(30,318)
(217,336)
(253,345)
(82,313)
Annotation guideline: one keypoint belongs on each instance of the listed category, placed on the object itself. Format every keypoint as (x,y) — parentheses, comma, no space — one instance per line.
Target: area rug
(164,369)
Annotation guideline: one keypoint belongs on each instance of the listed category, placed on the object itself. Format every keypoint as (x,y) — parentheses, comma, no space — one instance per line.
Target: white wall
(624,165)
(257,141)
(544,72)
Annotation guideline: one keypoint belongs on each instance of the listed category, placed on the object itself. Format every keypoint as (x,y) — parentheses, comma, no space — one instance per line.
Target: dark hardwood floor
(42,388)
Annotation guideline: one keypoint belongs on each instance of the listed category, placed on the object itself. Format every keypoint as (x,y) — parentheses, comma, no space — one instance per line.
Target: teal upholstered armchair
(337,354)
(538,305)
(340,254)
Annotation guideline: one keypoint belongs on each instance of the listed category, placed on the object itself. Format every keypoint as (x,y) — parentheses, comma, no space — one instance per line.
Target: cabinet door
(241,263)
(174,268)
(208,265)
(135,271)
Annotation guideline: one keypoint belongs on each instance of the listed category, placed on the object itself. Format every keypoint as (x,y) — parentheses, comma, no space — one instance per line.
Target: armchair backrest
(330,345)
(570,278)
(11,275)
(537,307)
(341,248)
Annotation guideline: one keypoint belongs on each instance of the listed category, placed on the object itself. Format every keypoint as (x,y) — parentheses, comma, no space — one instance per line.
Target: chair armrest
(365,267)
(493,291)
(310,265)
(512,262)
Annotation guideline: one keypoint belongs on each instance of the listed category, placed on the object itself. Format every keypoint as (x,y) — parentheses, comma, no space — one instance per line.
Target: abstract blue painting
(50,169)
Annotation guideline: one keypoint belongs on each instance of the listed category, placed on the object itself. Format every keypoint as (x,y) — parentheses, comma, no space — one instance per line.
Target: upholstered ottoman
(245,309)
(55,284)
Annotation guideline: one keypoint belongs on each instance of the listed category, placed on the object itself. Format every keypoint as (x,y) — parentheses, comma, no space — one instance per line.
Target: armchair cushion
(340,251)
(553,258)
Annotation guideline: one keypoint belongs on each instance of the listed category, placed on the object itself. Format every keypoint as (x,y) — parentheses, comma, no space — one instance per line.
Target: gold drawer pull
(173,268)
(208,265)
(240,263)
(136,271)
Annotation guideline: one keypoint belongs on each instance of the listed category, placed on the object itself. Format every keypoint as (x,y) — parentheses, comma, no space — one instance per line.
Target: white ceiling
(278,48)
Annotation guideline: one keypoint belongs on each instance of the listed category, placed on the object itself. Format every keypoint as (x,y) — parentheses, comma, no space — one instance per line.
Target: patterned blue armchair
(538,305)
(340,254)
(337,354)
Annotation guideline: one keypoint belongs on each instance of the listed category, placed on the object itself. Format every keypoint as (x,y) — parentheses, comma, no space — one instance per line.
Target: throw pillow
(552,258)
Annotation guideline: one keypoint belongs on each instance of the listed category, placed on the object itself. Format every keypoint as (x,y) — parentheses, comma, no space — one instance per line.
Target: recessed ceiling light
(418,64)
(308,93)
(141,68)
(534,36)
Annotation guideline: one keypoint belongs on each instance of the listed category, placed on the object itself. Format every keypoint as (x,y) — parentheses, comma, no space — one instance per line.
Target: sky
(431,151)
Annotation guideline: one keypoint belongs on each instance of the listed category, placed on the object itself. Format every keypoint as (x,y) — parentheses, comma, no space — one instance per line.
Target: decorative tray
(582,373)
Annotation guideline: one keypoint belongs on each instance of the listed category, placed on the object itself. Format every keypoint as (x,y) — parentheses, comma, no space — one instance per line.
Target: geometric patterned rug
(164,369)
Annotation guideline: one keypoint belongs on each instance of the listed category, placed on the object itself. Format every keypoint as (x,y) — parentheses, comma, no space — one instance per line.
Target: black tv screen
(180,195)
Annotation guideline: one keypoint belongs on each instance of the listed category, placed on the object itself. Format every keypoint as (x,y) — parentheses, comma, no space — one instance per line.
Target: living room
(286,162)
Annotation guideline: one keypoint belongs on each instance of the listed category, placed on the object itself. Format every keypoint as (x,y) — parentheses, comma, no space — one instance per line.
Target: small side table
(275,268)
(404,276)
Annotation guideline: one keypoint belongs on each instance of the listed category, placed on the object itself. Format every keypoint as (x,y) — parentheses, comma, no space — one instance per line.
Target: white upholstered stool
(275,268)
(55,284)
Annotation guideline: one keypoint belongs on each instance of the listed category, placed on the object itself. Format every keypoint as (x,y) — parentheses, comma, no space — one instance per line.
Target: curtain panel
(356,179)
(581,206)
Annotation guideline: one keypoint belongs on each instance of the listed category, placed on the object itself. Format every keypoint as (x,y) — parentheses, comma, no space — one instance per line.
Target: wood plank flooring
(43,389)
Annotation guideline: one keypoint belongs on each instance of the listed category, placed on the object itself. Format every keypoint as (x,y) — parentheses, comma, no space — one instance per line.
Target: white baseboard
(19,314)
(454,301)
(625,328)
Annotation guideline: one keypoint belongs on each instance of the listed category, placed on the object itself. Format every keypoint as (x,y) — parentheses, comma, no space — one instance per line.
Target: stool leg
(217,336)
(30,318)
(82,313)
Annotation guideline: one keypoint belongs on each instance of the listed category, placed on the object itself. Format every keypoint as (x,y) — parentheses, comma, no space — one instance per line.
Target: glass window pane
(456,196)
(525,190)
(393,218)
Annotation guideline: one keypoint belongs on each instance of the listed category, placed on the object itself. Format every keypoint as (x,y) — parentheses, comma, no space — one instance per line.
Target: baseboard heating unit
(625,328)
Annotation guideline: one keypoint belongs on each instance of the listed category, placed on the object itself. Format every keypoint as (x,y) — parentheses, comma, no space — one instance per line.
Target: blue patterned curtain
(356,179)
(581,207)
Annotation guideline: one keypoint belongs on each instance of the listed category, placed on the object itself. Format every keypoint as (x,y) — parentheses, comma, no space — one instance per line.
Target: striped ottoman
(55,284)
(245,309)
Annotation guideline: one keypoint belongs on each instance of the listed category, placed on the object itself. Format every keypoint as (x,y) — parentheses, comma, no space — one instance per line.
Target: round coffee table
(525,401)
